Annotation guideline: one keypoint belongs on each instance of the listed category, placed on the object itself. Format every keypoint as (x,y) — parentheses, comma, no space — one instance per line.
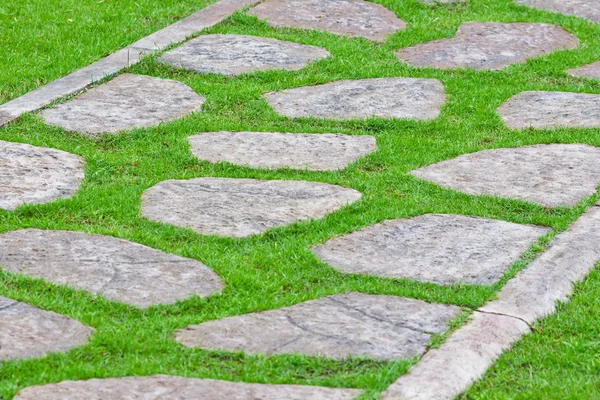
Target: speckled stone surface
(489,45)
(382,327)
(588,9)
(587,71)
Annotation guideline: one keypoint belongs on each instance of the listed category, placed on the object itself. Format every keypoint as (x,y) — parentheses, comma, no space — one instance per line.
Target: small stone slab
(117,269)
(241,207)
(587,71)
(434,248)
(316,152)
(409,98)
(26,331)
(127,102)
(588,9)
(353,18)
(551,175)
(547,110)
(37,175)
(489,46)
(352,324)
(180,388)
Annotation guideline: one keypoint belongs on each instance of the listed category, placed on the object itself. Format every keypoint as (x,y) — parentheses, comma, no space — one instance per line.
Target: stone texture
(127,102)
(36,175)
(241,207)
(489,45)
(433,248)
(588,9)
(26,331)
(316,152)
(117,269)
(587,71)
(239,54)
(342,17)
(178,388)
(410,98)
(551,175)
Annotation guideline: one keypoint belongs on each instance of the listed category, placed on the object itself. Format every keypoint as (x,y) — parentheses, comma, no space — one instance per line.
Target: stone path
(588,9)
(587,71)
(316,152)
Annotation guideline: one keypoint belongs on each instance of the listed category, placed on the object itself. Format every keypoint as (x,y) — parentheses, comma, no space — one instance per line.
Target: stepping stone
(316,152)
(180,388)
(26,331)
(117,269)
(489,45)
(587,71)
(435,248)
(241,207)
(353,18)
(409,98)
(127,102)
(36,175)
(239,54)
(352,324)
(588,9)
(552,175)
(547,110)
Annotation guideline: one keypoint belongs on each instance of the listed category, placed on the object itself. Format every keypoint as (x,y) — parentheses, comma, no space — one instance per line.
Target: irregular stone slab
(433,248)
(175,387)
(353,18)
(547,110)
(489,45)
(37,175)
(587,71)
(410,98)
(352,324)
(316,152)
(26,331)
(127,102)
(241,207)
(117,269)
(551,175)
(588,9)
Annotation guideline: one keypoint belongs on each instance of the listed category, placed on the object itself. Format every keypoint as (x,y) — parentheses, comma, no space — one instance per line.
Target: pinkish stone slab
(588,9)
(587,71)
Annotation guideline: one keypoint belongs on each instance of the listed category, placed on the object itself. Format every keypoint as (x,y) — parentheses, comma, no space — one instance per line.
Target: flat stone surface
(30,174)
(352,324)
(316,152)
(547,110)
(410,98)
(354,18)
(489,45)
(127,102)
(179,388)
(587,71)
(239,54)
(551,175)
(588,9)
(26,331)
(117,269)
(434,248)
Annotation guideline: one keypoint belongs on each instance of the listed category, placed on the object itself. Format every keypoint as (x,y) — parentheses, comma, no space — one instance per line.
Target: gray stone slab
(35,175)
(434,248)
(117,269)
(178,388)
(316,152)
(552,175)
(410,98)
(353,18)
(352,324)
(489,45)
(587,71)
(588,9)
(241,207)
(26,331)
(127,102)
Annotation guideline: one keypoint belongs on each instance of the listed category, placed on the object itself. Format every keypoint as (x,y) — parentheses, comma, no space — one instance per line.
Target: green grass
(560,360)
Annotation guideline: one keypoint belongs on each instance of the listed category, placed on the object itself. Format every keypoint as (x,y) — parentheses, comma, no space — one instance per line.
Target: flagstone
(588,9)
(587,71)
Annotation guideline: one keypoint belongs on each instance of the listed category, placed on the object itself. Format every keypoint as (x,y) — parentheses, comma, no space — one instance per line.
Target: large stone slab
(434,248)
(587,71)
(30,174)
(489,45)
(117,269)
(316,152)
(179,388)
(588,9)
(551,175)
(26,331)
(241,207)
(343,17)
(126,102)
(352,324)
(410,98)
